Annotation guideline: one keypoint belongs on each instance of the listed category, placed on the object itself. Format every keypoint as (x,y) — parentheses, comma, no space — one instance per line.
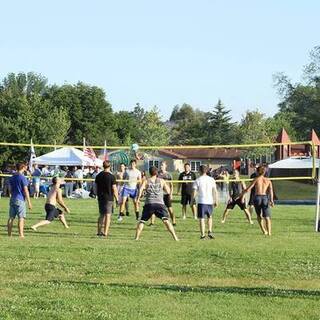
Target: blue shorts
(204,210)
(261,205)
(127,192)
(17,209)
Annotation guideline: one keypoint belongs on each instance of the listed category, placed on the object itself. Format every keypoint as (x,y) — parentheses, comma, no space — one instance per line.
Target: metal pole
(317,206)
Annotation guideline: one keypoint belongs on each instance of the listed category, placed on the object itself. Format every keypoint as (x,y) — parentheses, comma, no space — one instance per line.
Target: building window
(195,165)
(154,163)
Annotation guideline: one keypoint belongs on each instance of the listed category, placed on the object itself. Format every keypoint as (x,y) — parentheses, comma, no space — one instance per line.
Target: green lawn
(71,274)
(295,190)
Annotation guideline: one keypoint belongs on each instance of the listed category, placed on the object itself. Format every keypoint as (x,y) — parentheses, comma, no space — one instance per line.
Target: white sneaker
(120,219)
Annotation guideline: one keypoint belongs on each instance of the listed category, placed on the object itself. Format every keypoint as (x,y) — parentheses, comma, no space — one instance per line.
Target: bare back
(262,185)
(53,196)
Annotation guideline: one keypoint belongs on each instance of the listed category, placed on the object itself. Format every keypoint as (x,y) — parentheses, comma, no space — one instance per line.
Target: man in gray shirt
(154,203)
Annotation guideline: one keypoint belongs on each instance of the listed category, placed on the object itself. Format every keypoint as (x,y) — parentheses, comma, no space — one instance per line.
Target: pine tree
(220,127)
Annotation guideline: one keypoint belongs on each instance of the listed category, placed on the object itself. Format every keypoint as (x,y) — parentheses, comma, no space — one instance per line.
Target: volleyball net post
(316,178)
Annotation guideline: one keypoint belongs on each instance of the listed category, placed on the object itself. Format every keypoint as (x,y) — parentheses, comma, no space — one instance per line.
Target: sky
(163,53)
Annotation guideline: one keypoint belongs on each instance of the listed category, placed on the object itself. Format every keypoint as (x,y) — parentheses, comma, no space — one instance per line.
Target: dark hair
(153,171)
(122,163)
(187,164)
(203,169)
(54,180)
(20,166)
(133,161)
(261,170)
(106,164)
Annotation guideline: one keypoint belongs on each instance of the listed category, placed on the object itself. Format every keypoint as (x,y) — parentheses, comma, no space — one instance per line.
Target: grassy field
(72,274)
(295,190)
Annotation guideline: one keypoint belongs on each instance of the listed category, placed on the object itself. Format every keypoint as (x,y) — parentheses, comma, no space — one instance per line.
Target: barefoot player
(263,199)
(154,204)
(167,197)
(235,189)
(130,189)
(121,175)
(54,197)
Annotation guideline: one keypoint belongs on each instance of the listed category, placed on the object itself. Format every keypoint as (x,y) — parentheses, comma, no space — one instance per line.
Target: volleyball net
(291,161)
(284,161)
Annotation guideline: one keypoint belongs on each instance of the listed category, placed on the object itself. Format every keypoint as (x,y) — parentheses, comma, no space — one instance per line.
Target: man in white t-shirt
(207,197)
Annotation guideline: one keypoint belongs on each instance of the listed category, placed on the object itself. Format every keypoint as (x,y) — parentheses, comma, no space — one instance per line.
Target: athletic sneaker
(101,234)
(202,237)
(210,235)
(127,214)
(120,218)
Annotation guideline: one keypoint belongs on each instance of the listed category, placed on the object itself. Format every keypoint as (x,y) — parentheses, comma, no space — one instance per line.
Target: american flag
(32,156)
(105,152)
(88,152)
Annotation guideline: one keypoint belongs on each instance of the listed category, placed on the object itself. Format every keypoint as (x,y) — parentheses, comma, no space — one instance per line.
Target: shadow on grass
(250,291)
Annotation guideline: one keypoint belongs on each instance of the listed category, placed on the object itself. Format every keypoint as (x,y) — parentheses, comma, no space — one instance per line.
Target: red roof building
(286,151)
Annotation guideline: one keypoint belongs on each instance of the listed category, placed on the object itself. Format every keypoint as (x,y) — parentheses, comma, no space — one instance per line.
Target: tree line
(31,108)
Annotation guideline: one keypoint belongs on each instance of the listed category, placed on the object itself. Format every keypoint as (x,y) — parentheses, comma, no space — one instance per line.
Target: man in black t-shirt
(106,190)
(186,190)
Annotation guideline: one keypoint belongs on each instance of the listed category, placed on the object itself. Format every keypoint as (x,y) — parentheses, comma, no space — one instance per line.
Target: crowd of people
(39,183)
(200,193)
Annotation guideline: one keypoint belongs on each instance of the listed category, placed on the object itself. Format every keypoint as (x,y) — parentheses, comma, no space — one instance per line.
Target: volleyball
(135,147)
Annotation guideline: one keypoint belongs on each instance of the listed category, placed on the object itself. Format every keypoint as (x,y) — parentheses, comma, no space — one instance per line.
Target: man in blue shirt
(18,184)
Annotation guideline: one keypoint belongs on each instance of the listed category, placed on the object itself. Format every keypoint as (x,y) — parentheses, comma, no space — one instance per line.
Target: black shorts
(261,205)
(233,203)
(52,212)
(105,206)
(154,208)
(167,201)
(187,199)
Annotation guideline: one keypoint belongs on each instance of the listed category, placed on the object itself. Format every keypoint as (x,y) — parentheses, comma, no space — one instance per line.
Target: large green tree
(187,125)
(90,113)
(302,100)
(26,113)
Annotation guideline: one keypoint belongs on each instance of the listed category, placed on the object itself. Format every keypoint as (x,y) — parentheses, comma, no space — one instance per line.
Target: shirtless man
(263,197)
(121,175)
(54,197)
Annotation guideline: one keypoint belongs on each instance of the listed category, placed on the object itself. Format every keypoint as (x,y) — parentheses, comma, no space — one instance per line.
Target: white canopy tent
(295,163)
(67,156)
(302,163)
